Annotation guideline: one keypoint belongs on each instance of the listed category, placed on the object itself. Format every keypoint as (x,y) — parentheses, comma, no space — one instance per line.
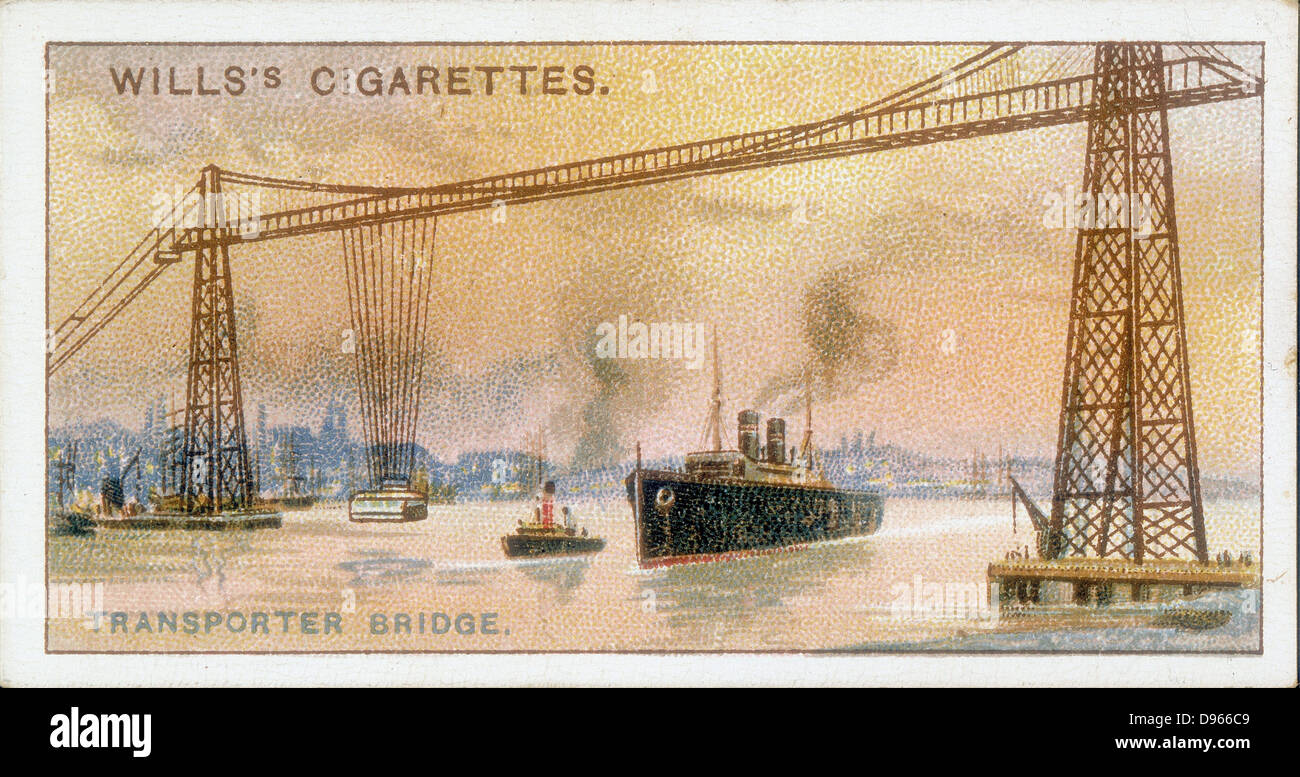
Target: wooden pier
(1102,581)
(243,519)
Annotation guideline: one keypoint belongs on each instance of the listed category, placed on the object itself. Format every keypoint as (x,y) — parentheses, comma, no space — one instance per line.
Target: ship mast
(540,458)
(806,446)
(291,468)
(536,458)
(713,425)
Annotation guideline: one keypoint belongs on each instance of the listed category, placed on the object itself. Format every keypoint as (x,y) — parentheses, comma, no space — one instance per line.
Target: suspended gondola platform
(388,505)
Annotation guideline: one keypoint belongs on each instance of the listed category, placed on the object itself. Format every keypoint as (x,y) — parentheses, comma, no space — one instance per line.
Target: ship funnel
(747,433)
(776,440)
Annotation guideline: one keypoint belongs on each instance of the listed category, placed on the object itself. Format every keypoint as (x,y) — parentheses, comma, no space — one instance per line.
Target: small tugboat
(542,536)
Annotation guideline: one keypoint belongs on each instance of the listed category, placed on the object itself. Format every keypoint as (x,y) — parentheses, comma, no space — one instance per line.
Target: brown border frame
(833,652)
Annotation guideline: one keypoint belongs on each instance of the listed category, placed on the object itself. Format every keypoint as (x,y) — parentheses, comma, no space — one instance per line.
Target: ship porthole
(665,499)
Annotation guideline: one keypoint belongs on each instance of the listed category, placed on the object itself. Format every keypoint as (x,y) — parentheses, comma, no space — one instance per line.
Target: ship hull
(681,518)
(523,545)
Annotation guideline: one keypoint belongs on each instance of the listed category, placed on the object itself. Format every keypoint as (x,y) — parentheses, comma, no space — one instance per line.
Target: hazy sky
(954,291)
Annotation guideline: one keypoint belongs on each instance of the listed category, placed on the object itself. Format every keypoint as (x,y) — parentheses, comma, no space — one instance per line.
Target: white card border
(27,26)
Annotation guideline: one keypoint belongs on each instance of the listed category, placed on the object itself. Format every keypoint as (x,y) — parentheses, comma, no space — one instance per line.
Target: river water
(449,574)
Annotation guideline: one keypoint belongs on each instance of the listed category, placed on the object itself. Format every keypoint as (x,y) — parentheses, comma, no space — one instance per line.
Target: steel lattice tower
(216,448)
(1126,480)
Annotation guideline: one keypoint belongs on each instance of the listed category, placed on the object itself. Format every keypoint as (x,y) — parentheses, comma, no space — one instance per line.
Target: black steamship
(731,503)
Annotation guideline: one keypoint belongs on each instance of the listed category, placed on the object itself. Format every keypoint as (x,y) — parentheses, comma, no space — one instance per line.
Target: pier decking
(251,519)
(1096,580)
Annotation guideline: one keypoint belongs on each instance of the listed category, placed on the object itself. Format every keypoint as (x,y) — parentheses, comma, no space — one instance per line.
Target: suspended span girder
(926,120)
(930,111)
